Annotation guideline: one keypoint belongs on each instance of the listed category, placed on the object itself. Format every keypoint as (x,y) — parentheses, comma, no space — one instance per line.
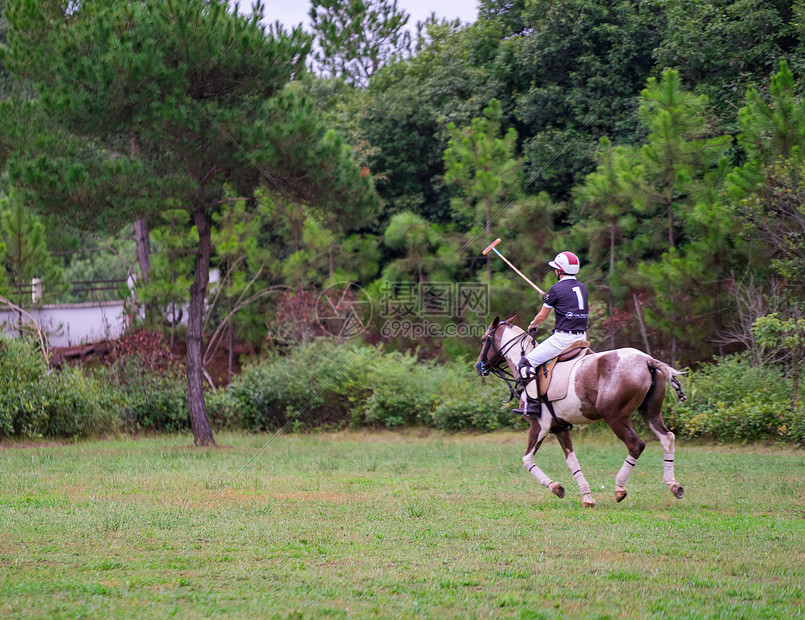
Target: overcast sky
(291,13)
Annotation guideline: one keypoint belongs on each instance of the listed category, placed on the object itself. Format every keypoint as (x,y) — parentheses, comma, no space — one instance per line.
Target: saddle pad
(560,380)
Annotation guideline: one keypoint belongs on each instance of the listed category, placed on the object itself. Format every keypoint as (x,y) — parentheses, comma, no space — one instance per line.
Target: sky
(291,13)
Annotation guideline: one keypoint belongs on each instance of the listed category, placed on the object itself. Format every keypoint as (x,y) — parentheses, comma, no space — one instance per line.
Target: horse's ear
(510,318)
(495,322)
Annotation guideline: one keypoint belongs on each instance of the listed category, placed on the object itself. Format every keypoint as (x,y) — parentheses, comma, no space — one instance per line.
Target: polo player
(568,299)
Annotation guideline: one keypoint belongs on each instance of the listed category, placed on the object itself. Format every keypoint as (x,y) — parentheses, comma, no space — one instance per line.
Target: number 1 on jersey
(577,290)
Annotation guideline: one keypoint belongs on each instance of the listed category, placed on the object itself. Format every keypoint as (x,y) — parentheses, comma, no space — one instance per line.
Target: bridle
(485,367)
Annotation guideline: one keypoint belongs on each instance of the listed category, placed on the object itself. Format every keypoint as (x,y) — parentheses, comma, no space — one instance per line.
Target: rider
(568,299)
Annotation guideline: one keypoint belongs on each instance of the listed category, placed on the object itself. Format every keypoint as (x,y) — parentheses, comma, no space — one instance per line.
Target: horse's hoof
(620,496)
(557,489)
(678,491)
(589,503)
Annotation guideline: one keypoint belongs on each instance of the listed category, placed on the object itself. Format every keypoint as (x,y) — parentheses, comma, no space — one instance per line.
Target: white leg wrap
(667,442)
(623,474)
(668,469)
(575,468)
(531,466)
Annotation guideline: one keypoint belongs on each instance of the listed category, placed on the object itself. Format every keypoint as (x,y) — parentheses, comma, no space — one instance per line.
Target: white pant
(552,346)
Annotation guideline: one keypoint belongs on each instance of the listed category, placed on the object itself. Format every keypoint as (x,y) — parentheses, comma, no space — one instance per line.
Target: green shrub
(732,400)
(732,378)
(403,391)
(81,405)
(457,413)
(23,389)
(334,385)
(39,402)
(150,400)
(319,384)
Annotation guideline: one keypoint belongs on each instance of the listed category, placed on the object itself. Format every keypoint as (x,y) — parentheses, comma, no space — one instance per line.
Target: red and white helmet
(566,262)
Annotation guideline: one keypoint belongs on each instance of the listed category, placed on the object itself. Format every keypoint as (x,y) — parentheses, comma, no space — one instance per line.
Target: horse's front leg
(575,468)
(535,437)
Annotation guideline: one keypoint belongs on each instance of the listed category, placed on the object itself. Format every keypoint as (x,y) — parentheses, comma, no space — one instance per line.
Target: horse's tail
(670,374)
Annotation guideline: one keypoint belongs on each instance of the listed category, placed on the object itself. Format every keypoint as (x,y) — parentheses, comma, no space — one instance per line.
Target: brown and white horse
(607,386)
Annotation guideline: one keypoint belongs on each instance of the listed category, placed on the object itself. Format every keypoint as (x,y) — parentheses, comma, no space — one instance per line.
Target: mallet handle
(518,272)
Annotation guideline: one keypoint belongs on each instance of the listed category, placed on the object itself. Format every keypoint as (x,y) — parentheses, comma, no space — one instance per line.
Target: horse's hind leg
(651,410)
(575,468)
(535,438)
(623,429)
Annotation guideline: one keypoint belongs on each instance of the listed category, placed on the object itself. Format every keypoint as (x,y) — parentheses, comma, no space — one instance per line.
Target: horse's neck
(515,352)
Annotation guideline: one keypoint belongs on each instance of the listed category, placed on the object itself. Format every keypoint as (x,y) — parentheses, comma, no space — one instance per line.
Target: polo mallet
(492,247)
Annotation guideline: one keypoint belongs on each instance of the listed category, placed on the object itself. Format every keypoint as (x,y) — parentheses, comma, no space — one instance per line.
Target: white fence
(67,325)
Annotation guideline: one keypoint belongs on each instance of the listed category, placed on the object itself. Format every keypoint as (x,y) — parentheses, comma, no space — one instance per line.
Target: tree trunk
(611,307)
(142,238)
(230,343)
(642,325)
(671,239)
(202,431)
(488,237)
(795,375)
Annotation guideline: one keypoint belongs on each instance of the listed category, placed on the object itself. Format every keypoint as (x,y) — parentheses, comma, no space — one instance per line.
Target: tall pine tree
(202,91)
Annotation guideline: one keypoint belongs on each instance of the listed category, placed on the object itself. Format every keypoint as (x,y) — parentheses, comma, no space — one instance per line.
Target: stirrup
(529,409)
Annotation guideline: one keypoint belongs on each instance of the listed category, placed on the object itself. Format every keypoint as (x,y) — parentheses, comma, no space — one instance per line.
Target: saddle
(552,377)
(552,380)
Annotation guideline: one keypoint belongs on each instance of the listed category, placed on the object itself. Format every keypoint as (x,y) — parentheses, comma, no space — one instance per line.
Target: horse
(607,386)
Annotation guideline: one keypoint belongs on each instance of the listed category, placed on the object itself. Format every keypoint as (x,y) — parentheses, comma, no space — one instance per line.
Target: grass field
(396,525)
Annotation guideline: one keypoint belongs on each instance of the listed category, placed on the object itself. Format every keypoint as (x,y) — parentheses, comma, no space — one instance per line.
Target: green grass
(396,525)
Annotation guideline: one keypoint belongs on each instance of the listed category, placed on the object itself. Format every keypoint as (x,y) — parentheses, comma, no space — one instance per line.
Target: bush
(457,413)
(81,405)
(318,384)
(38,402)
(331,385)
(150,400)
(23,389)
(732,400)
(403,392)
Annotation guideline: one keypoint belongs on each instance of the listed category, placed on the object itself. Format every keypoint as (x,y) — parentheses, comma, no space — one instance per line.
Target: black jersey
(568,298)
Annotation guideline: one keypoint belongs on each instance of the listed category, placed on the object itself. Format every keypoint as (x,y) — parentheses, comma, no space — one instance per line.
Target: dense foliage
(663,141)
(324,384)
(327,385)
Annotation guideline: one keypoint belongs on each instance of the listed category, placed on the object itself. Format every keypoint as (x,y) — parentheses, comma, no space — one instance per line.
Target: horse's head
(490,353)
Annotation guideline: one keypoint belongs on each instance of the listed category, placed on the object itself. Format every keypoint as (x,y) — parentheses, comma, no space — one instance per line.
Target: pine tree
(243,266)
(677,152)
(419,240)
(203,91)
(26,253)
(358,37)
(606,221)
(679,160)
(485,168)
